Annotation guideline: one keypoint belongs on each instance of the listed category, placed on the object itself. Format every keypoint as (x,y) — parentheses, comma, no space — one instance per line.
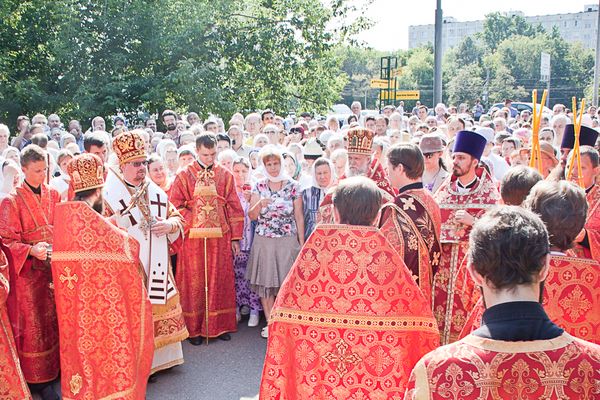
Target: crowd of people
(367,241)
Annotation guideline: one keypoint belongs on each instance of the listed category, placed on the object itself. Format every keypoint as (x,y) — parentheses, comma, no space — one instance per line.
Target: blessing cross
(69,278)
(158,203)
(131,219)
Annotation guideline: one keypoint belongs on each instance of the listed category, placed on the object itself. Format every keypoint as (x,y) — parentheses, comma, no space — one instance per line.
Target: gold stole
(205,214)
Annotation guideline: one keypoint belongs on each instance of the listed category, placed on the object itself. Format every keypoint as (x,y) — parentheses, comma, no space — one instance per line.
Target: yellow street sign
(380,83)
(401,95)
(408,95)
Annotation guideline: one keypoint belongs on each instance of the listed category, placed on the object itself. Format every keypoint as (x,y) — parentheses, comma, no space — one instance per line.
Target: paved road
(220,371)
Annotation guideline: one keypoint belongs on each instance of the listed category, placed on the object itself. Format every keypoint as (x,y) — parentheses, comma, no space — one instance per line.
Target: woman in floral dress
(276,205)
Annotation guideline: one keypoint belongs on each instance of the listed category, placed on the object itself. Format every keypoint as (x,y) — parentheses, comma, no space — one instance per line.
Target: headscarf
(298,168)
(161,147)
(272,151)
(314,173)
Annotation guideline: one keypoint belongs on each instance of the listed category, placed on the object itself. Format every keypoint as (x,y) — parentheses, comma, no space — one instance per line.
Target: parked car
(519,106)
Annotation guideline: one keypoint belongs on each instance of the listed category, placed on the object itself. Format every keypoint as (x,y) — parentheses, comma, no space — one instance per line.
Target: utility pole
(596,60)
(437,68)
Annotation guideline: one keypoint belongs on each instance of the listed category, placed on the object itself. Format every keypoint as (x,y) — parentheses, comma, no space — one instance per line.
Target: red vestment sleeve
(233,208)
(179,198)
(11,233)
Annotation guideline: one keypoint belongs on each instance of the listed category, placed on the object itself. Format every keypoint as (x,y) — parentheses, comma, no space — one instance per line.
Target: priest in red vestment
(518,353)
(572,288)
(588,242)
(411,224)
(26,220)
(349,321)
(12,382)
(204,193)
(104,315)
(360,163)
(465,196)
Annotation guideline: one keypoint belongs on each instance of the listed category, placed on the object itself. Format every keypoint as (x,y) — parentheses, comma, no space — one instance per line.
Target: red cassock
(412,226)
(571,298)
(349,321)
(208,201)
(27,219)
(12,381)
(104,315)
(475,368)
(454,293)
(377,174)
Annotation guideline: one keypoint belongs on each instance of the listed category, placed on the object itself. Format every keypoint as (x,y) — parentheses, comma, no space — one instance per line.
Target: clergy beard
(350,172)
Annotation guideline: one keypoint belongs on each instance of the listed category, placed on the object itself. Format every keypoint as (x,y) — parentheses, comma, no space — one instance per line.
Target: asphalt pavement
(220,371)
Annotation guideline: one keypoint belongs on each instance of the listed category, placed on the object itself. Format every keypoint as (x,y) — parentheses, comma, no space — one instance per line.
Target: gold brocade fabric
(475,368)
(349,321)
(205,213)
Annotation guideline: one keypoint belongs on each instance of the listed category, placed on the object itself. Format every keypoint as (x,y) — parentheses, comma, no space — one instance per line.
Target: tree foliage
(85,58)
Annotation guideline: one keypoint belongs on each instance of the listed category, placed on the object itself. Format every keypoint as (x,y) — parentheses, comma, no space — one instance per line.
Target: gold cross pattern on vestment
(207,208)
(68,278)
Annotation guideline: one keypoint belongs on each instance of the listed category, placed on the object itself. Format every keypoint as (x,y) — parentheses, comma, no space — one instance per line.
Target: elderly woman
(61,182)
(12,153)
(339,158)
(323,178)
(226,158)
(167,150)
(276,205)
(260,141)
(11,177)
(158,173)
(293,168)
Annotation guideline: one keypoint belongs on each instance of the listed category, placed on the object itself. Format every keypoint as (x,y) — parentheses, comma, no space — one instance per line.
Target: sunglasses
(429,155)
(138,164)
(270,132)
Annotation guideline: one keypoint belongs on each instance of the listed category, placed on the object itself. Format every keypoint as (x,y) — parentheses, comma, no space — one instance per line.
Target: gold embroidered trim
(358,322)
(91,256)
(502,346)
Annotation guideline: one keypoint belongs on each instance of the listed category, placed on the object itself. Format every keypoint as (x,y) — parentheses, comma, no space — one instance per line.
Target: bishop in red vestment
(349,320)
(412,222)
(104,315)
(518,353)
(360,163)
(12,382)
(465,196)
(205,195)
(26,221)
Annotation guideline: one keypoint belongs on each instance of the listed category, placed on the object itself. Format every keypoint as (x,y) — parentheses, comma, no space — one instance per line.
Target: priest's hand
(161,227)
(235,247)
(39,251)
(465,218)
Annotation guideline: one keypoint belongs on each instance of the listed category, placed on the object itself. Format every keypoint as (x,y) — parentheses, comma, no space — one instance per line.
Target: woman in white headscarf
(323,176)
(61,182)
(167,150)
(276,205)
(11,177)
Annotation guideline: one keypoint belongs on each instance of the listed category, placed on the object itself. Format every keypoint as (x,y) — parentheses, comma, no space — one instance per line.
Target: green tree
(466,85)
(497,27)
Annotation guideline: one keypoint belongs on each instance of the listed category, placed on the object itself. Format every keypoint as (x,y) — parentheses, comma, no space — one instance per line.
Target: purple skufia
(471,143)
(587,137)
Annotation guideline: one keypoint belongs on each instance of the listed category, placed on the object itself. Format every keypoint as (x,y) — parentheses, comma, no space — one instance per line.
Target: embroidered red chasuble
(349,320)
(27,219)
(12,381)
(477,368)
(104,315)
(412,226)
(453,294)
(571,298)
(208,201)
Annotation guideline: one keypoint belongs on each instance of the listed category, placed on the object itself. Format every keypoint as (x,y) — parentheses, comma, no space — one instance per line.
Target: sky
(392,17)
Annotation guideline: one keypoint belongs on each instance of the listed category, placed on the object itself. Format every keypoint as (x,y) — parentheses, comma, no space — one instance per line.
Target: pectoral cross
(69,278)
(158,203)
(131,219)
